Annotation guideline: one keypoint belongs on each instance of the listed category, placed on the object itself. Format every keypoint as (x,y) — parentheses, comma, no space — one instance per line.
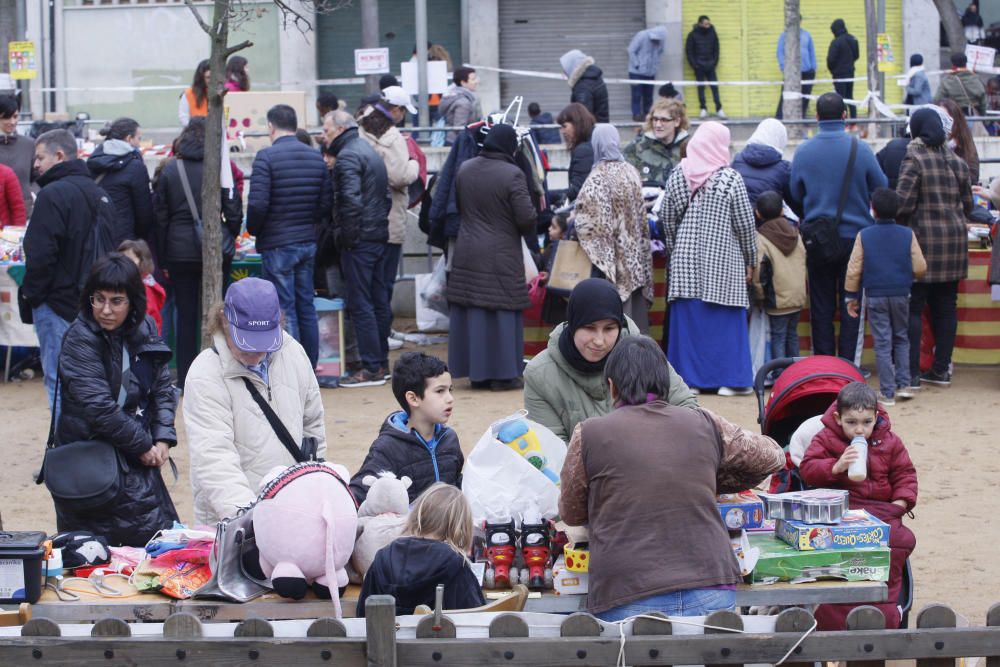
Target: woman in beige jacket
(231,442)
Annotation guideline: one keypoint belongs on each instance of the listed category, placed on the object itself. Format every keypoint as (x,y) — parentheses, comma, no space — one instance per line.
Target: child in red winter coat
(889,491)
(138,252)
(11,199)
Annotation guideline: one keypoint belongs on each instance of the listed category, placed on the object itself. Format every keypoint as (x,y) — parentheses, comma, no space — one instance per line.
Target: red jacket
(891,476)
(11,199)
(156,296)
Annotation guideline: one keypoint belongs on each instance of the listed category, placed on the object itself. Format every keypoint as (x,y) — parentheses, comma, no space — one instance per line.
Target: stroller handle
(762,373)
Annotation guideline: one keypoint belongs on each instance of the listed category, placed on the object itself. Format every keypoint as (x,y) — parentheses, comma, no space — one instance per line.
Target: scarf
(117,147)
(926,125)
(910,72)
(707,152)
(771,132)
(605,142)
(592,300)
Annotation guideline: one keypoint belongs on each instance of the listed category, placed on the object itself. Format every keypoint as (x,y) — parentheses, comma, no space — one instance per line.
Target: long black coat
(496,211)
(90,373)
(591,92)
(126,181)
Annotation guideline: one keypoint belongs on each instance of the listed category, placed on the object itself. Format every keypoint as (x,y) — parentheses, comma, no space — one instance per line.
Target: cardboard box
(566,582)
(783,562)
(739,511)
(857,528)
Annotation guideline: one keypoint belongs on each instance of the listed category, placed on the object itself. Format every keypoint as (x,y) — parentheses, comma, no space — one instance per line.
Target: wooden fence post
(795,620)
(508,625)
(642,627)
(580,624)
(40,627)
(723,619)
(182,625)
(866,617)
(254,627)
(993,620)
(111,627)
(326,627)
(442,628)
(380,630)
(936,616)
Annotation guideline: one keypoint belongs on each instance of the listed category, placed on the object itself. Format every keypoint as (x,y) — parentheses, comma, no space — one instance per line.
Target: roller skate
(537,555)
(501,546)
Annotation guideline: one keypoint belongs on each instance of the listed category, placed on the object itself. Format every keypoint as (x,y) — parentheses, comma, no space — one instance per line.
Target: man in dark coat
(361,228)
(289,195)
(55,244)
(840,58)
(702,50)
(587,82)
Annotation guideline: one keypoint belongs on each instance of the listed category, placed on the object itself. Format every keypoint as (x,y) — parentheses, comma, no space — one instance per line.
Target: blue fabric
(807,51)
(889,318)
(784,335)
(919,89)
(817,174)
(547,135)
(393,251)
(763,168)
(642,96)
(645,51)
(290,193)
(443,217)
(709,344)
(401,421)
(692,602)
(261,369)
(291,268)
(888,270)
(50,329)
(364,273)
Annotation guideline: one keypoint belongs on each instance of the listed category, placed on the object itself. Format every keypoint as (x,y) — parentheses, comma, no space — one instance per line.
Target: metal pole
(422,102)
(21,29)
(369,37)
(881,29)
(871,41)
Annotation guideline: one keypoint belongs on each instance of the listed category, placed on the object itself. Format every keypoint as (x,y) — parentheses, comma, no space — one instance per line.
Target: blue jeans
(890,320)
(692,602)
(784,335)
(367,299)
(393,251)
(642,95)
(50,329)
(290,268)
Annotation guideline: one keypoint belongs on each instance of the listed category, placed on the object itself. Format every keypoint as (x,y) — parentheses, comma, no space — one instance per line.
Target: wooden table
(156,608)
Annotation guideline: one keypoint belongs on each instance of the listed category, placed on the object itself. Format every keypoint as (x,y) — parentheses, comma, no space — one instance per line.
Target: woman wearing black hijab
(935,196)
(487,289)
(565,384)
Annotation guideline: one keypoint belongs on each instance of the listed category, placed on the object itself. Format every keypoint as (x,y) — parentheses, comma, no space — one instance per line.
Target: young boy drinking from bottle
(888,491)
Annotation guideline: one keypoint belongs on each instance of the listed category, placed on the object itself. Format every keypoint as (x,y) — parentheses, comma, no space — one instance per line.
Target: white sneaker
(721,114)
(703,114)
(735,391)
(904,393)
(394,343)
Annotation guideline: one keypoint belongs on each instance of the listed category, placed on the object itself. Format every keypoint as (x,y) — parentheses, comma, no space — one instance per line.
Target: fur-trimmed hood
(581,69)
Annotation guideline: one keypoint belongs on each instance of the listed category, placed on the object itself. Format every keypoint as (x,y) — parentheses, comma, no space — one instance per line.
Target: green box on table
(783,562)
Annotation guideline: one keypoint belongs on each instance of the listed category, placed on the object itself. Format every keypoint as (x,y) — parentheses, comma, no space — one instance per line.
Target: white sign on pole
(371,61)
(980,57)
(437,77)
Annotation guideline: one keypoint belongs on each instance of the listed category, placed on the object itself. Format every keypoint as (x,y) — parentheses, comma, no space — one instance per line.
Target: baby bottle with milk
(858,470)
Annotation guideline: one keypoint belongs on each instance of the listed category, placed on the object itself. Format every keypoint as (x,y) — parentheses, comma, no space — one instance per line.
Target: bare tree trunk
(952,25)
(792,108)
(871,45)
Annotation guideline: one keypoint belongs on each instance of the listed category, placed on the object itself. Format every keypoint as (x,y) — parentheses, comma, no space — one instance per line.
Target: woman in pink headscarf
(710,235)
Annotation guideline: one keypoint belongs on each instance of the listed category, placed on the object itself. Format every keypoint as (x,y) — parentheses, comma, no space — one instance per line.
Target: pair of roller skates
(510,561)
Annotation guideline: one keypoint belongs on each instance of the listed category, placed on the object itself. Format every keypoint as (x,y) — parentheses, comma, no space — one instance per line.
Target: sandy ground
(951,435)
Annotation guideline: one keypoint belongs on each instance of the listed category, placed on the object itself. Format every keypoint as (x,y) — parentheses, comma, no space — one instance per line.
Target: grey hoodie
(459,106)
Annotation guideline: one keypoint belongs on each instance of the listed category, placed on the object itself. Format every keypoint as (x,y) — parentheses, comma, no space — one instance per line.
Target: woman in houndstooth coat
(711,238)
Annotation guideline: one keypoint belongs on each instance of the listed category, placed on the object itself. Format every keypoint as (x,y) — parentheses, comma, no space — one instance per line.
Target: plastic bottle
(858,471)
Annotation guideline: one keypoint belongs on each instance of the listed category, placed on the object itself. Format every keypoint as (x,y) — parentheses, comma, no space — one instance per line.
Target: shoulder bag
(308,450)
(228,247)
(819,235)
(87,475)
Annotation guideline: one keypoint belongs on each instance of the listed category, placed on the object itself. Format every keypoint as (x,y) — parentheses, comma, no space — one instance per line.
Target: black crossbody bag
(310,446)
(819,235)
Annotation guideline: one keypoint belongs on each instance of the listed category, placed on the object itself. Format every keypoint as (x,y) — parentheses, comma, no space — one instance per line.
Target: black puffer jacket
(591,92)
(843,51)
(496,210)
(702,48)
(174,223)
(400,451)
(126,180)
(90,373)
(890,158)
(289,194)
(361,192)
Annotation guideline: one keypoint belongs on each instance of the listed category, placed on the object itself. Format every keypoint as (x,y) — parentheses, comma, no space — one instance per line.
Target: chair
(513,601)
(906,596)
(18,616)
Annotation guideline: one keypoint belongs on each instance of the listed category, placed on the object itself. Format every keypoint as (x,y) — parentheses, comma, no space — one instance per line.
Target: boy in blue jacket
(884,263)
(414,441)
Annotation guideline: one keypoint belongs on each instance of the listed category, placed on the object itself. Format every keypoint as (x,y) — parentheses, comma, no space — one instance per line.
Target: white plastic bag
(432,298)
(499,481)
(760,338)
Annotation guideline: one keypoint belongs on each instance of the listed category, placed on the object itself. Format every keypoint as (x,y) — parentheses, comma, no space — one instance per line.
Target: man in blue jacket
(818,170)
(290,194)
(807,60)
(644,53)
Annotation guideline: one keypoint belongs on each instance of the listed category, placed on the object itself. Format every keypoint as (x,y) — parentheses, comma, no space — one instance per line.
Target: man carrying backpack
(61,243)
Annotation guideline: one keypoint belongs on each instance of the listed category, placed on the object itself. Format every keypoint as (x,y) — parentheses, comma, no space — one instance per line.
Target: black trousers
(707,75)
(186,280)
(942,298)
(846,90)
(826,297)
(807,88)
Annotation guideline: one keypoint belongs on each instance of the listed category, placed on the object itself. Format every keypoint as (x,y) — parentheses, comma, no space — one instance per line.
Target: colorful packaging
(812,506)
(857,528)
(577,557)
(566,582)
(741,510)
(782,562)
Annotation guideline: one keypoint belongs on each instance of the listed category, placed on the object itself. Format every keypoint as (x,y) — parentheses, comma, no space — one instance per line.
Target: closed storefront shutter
(534,34)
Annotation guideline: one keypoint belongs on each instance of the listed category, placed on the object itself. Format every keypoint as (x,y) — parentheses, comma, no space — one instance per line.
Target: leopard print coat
(612,227)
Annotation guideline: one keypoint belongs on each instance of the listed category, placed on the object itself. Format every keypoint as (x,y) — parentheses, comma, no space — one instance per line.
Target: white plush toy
(381,518)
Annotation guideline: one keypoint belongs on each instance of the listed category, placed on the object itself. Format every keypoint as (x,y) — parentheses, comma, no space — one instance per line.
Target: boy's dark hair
(561,222)
(282,117)
(638,368)
(959,59)
(830,106)
(856,396)
(885,202)
(411,372)
(534,109)
(328,101)
(769,205)
(117,273)
(462,75)
(9,105)
(387,80)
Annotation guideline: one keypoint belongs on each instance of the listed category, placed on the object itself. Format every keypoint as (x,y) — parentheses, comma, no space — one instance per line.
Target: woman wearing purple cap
(232,444)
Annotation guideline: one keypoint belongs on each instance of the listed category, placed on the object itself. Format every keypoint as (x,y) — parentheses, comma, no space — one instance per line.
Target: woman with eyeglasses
(655,152)
(115,387)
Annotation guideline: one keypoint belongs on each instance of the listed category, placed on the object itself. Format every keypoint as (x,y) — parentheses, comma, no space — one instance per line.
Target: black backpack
(101,239)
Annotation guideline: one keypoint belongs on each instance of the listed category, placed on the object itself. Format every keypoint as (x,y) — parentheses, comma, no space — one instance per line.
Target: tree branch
(238,47)
(201,22)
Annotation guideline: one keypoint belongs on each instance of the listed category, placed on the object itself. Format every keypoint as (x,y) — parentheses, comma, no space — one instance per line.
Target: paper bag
(570,266)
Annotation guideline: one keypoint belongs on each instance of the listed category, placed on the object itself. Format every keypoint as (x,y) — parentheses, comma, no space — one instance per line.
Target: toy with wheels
(501,547)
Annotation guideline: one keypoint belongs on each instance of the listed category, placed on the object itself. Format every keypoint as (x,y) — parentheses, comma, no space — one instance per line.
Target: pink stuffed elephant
(305,524)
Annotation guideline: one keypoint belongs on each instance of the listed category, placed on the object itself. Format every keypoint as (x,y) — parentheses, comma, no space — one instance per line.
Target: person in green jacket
(564,384)
(655,152)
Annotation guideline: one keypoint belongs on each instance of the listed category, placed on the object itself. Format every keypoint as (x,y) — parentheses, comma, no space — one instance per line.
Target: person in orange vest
(194,101)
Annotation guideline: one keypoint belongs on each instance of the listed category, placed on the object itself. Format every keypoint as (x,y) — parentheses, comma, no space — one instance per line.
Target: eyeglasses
(661,119)
(116,302)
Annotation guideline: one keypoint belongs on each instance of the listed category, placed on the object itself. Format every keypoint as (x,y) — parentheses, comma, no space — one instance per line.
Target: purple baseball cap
(254,315)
